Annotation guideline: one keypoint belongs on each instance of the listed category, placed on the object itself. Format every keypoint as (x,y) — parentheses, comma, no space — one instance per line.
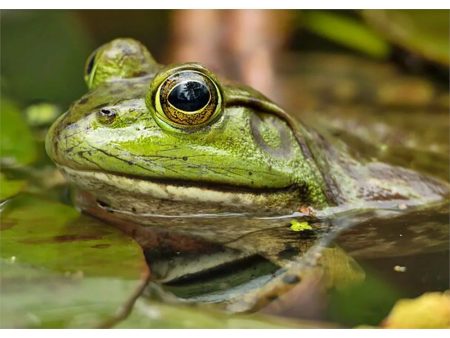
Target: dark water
(381,258)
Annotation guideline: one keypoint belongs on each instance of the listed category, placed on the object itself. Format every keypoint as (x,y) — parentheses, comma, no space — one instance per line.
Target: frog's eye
(188,98)
(118,59)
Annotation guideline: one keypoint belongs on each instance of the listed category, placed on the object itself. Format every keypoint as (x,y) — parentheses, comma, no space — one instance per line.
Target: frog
(168,153)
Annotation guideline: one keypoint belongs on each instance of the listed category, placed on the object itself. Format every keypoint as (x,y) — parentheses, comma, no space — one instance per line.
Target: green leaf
(61,269)
(300,226)
(422,32)
(346,31)
(42,114)
(9,188)
(17,146)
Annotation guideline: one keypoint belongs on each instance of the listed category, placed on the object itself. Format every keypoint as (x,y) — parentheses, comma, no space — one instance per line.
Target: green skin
(135,167)
(250,157)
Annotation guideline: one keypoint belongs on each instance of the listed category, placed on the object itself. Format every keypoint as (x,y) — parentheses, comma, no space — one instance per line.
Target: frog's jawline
(222,187)
(132,189)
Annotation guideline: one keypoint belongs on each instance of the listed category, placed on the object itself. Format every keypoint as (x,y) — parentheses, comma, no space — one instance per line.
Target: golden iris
(188,98)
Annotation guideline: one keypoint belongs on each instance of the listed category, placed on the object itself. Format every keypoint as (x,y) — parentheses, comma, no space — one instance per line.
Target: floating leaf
(17,146)
(60,269)
(9,188)
(300,226)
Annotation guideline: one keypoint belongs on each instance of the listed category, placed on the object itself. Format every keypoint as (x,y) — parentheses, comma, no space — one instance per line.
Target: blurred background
(43,52)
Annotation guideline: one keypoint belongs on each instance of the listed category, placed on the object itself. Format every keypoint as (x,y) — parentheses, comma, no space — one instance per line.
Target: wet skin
(146,134)
(149,142)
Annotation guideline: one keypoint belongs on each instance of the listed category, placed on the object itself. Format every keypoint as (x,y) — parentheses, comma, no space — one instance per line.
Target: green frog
(176,149)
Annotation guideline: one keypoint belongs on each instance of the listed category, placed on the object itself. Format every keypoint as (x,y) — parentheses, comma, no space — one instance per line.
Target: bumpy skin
(251,156)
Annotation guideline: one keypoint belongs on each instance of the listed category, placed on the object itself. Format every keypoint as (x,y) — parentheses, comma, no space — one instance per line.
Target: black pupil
(189,96)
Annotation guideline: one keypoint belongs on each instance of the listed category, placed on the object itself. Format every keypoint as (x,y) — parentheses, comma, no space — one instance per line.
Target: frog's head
(150,133)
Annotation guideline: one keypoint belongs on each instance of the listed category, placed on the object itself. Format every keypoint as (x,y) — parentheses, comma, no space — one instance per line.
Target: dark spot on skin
(137,74)
(99,106)
(130,162)
(133,209)
(83,100)
(69,125)
(185,158)
(291,279)
(250,173)
(102,204)
(101,246)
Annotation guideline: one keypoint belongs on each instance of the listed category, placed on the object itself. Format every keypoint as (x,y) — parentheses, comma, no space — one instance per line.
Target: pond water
(354,265)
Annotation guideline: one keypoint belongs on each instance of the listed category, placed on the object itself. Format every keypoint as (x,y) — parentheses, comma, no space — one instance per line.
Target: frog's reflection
(225,261)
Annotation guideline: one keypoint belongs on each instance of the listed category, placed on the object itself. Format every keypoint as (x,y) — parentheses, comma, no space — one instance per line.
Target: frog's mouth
(122,192)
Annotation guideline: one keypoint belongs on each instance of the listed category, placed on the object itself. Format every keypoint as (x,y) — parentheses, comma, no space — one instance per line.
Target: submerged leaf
(157,315)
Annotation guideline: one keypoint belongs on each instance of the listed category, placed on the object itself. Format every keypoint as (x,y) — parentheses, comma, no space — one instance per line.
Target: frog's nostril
(106,115)
(107,112)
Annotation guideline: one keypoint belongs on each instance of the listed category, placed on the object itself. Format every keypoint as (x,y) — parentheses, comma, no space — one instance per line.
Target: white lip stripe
(92,180)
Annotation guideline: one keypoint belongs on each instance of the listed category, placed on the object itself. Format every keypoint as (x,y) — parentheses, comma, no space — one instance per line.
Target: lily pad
(9,188)
(17,146)
(63,269)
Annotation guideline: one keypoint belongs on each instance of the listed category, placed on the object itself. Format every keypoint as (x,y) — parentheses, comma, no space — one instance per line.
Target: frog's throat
(146,196)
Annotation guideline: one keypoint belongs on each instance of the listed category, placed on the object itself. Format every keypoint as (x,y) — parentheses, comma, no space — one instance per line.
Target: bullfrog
(177,150)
